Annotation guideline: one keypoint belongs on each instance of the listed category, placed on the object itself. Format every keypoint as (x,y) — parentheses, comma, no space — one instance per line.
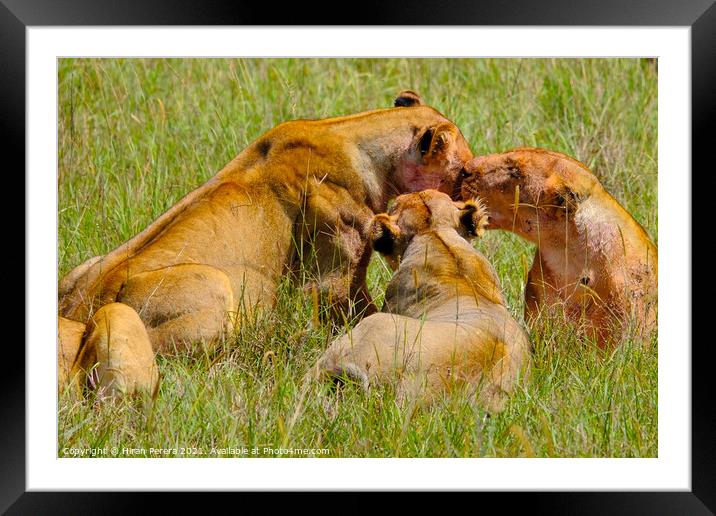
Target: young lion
(444,322)
(302,194)
(593,259)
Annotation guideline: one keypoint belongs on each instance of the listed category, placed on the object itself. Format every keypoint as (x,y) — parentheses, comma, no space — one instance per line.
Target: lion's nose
(474,166)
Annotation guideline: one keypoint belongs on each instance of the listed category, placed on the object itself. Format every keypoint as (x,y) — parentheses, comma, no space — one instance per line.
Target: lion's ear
(435,141)
(560,201)
(407,98)
(473,217)
(384,234)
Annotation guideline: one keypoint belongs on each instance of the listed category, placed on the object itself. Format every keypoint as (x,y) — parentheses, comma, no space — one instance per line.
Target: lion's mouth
(468,191)
(456,194)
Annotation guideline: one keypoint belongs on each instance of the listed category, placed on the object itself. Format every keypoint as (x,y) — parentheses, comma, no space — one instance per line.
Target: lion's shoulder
(437,267)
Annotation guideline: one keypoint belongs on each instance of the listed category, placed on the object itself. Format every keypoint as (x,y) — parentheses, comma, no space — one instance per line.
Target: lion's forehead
(423,210)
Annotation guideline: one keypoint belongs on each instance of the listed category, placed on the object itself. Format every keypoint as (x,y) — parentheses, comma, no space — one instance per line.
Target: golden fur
(593,260)
(218,254)
(444,324)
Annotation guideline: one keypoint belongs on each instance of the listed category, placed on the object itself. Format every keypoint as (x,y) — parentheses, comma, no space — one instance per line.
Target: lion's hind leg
(117,354)
(69,340)
(181,305)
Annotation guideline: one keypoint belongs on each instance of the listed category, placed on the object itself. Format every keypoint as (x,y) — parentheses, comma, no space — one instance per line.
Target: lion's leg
(340,281)
(386,348)
(360,297)
(117,353)
(69,340)
(428,386)
(540,291)
(481,368)
(372,351)
(499,374)
(345,294)
(533,290)
(602,327)
(181,305)
(336,250)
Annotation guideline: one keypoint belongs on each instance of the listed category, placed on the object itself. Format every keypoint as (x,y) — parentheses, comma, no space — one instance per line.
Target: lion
(594,262)
(444,324)
(302,194)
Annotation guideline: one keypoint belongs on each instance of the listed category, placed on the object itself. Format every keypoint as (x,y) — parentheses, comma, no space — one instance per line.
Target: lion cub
(444,324)
(593,260)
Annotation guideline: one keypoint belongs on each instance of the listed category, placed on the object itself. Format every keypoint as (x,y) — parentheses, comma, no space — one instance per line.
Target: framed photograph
(149,138)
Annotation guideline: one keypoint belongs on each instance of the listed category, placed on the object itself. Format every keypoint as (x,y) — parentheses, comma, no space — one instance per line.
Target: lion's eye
(464,173)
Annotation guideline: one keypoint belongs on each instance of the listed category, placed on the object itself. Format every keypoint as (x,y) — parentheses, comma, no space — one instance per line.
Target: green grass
(136,135)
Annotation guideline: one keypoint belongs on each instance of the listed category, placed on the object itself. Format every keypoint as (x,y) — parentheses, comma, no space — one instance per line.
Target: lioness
(444,322)
(307,188)
(593,259)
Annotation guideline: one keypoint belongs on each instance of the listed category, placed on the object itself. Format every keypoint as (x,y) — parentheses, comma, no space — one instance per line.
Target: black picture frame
(17,15)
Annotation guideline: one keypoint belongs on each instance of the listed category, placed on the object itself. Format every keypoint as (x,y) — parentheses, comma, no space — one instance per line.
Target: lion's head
(416,213)
(526,188)
(436,155)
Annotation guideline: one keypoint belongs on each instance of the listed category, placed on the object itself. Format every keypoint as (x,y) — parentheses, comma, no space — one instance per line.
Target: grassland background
(135,135)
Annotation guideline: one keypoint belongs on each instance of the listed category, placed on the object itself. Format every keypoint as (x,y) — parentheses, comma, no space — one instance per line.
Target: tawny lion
(444,324)
(593,260)
(304,185)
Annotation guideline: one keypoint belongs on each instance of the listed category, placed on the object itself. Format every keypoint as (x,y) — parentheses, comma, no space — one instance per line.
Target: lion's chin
(498,222)
(467,191)
(456,194)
